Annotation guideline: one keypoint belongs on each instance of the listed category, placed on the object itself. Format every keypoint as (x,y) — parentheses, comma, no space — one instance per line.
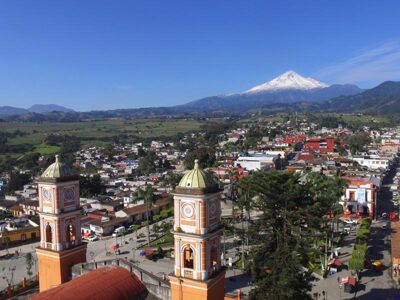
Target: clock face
(69,194)
(46,195)
(187,210)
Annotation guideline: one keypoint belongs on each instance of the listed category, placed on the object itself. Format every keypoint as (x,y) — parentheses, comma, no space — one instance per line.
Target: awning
(348,280)
(335,262)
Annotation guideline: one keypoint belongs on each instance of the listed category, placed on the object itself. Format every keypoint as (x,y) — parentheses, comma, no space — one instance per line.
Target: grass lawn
(166,240)
(44,149)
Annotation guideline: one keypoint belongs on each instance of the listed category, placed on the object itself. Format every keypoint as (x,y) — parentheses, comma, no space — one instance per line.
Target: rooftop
(108,283)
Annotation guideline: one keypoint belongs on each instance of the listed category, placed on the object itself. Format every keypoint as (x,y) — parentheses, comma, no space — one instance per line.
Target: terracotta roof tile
(108,283)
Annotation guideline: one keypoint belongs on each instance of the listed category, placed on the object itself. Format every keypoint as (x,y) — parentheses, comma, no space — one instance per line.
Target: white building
(256,162)
(372,162)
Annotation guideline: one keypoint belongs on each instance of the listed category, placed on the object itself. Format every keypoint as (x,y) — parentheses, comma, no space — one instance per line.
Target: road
(373,284)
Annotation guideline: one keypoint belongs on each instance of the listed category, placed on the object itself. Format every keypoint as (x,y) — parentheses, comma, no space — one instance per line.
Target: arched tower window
(214,257)
(49,234)
(188,257)
(70,236)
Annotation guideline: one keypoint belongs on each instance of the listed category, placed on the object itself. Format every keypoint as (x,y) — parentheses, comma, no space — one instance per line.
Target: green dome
(58,170)
(197,178)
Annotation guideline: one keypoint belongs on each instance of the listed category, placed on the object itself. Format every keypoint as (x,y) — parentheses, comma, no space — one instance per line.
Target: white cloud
(368,68)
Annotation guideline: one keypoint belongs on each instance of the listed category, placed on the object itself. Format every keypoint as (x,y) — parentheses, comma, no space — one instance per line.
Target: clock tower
(197,235)
(60,225)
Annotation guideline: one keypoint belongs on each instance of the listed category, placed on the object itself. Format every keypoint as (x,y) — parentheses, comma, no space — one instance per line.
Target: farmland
(91,133)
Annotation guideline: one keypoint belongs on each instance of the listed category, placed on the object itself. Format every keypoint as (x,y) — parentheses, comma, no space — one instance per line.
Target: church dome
(197,179)
(58,170)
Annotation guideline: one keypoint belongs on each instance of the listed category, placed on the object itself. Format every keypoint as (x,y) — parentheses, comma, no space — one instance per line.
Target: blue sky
(92,55)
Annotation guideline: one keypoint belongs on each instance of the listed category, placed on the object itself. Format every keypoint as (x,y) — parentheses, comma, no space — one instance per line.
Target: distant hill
(383,99)
(44,108)
(37,108)
(9,111)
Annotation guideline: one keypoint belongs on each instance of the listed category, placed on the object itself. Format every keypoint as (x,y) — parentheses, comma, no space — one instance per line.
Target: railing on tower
(188,273)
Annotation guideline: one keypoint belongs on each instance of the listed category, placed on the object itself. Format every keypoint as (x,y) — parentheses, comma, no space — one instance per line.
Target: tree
(325,192)
(146,164)
(205,155)
(292,210)
(173,180)
(17,181)
(357,260)
(148,196)
(29,263)
(90,186)
(135,229)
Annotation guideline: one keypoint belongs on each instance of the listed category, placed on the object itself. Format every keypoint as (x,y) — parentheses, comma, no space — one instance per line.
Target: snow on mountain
(288,81)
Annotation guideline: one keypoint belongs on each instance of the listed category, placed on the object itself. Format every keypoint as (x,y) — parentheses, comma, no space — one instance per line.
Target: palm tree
(148,195)
(244,203)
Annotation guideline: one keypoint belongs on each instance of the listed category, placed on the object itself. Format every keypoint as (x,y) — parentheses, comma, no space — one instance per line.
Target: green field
(94,133)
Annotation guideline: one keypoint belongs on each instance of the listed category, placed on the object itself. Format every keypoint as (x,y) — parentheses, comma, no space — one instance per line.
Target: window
(70,237)
(188,257)
(49,234)
(214,257)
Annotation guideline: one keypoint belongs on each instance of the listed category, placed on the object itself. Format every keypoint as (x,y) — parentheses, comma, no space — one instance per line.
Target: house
(5,205)
(361,195)
(106,226)
(258,161)
(320,145)
(372,161)
(30,207)
(18,230)
(17,211)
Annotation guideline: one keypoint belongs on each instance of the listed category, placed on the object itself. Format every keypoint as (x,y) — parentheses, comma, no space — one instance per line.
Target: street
(373,284)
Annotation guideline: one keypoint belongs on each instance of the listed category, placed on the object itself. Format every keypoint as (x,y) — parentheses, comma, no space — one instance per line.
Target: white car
(349,221)
(93,238)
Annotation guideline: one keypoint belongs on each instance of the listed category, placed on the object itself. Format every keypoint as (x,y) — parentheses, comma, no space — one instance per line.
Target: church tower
(197,234)
(60,225)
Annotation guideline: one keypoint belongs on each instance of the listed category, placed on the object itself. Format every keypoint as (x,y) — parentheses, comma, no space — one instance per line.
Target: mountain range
(289,87)
(288,92)
(37,108)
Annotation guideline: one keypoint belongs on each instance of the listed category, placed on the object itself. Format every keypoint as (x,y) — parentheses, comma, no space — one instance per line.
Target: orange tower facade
(60,228)
(197,234)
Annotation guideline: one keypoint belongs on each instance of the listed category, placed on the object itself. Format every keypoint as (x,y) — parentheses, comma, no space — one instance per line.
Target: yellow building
(18,231)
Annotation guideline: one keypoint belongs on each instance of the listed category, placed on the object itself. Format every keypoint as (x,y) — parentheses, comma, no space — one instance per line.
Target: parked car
(347,229)
(349,221)
(119,231)
(93,238)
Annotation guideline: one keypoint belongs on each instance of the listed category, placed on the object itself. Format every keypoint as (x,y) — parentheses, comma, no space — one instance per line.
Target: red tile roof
(108,283)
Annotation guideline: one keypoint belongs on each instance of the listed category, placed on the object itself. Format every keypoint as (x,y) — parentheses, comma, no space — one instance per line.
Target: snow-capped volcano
(288,81)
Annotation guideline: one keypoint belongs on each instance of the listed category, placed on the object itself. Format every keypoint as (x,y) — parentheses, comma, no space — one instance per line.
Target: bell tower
(197,234)
(60,225)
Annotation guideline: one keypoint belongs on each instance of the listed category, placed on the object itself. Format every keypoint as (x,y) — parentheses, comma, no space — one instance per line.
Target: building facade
(59,210)
(197,236)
